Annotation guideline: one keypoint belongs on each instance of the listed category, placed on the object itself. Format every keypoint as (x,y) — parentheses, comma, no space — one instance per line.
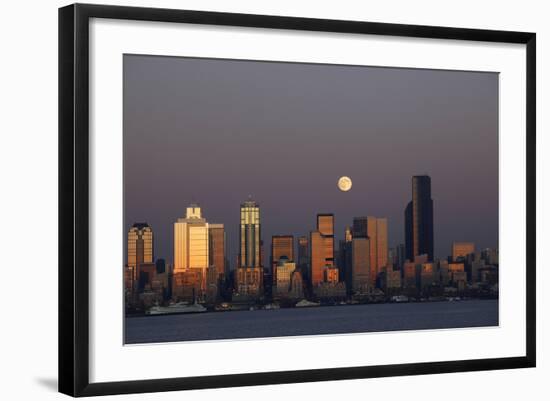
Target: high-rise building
(419,234)
(281,246)
(140,246)
(463,250)
(376,230)
(216,247)
(249,274)
(191,241)
(191,253)
(321,248)
(250,235)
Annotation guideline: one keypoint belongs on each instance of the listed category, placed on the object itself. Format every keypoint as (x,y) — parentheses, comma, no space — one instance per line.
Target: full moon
(344,184)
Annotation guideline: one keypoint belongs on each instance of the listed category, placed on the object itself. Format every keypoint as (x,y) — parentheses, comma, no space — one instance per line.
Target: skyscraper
(376,230)
(281,245)
(140,246)
(321,248)
(191,241)
(419,235)
(249,274)
(191,254)
(250,235)
(216,246)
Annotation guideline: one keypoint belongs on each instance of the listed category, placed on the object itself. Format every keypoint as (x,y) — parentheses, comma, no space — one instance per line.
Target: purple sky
(215,131)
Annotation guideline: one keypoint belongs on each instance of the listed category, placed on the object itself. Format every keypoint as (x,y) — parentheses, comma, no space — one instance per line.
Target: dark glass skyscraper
(419,227)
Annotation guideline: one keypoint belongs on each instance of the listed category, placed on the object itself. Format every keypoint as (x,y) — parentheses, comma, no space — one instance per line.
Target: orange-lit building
(462,250)
(376,230)
(281,246)
(321,248)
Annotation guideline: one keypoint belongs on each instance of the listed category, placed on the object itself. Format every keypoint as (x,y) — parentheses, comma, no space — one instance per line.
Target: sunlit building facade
(281,246)
(376,230)
(321,248)
(463,250)
(140,246)
(191,252)
(284,270)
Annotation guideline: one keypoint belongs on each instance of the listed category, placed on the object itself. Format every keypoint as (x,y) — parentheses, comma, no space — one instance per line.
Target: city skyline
(377,125)
(360,270)
(271,258)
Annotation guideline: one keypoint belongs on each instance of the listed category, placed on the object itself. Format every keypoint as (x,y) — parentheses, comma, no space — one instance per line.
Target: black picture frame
(74,198)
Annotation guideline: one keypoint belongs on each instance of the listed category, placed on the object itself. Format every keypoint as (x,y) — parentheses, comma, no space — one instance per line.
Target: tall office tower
(281,246)
(419,232)
(191,255)
(376,230)
(360,265)
(216,247)
(463,250)
(250,235)
(140,246)
(321,248)
(191,241)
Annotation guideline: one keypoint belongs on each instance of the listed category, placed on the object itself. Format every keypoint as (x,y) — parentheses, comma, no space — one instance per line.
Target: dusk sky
(216,131)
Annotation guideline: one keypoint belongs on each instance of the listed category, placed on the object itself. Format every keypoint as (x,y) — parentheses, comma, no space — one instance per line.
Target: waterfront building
(462,250)
(296,285)
(140,246)
(427,275)
(249,281)
(419,235)
(391,280)
(409,275)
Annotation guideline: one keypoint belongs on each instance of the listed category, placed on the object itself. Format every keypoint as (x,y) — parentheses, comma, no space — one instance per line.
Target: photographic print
(268,199)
